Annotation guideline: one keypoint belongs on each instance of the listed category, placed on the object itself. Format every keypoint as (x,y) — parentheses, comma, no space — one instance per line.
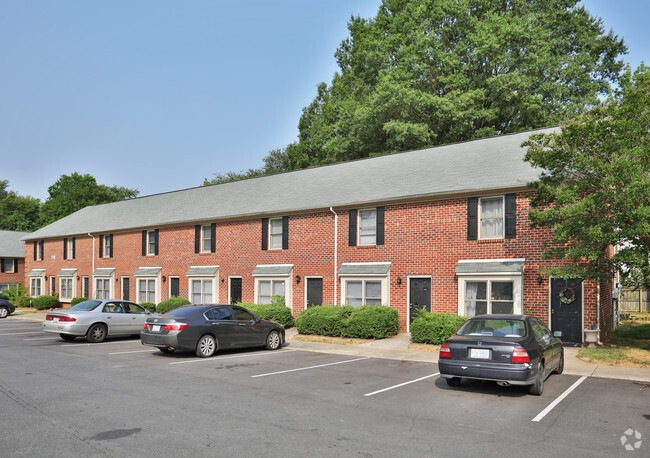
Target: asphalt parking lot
(119,398)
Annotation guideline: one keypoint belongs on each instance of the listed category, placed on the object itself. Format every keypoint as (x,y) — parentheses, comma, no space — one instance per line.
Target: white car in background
(96,319)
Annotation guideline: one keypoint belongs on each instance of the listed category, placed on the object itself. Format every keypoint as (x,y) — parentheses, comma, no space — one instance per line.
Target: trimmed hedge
(279,313)
(367,322)
(435,328)
(45,302)
(171,304)
(23,301)
(372,322)
(149,306)
(76,300)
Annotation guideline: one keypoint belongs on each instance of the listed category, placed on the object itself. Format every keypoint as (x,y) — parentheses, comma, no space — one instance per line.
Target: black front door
(174,287)
(125,288)
(566,309)
(314,291)
(420,296)
(235,290)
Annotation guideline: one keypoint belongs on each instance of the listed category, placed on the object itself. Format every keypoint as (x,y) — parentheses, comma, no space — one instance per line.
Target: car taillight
(445,352)
(176,326)
(146,326)
(519,355)
(61,318)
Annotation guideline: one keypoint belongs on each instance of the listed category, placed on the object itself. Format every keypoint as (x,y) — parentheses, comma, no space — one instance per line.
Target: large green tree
(73,192)
(18,213)
(594,192)
(429,72)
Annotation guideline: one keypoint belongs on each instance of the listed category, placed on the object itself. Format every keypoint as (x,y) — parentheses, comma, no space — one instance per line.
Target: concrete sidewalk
(398,348)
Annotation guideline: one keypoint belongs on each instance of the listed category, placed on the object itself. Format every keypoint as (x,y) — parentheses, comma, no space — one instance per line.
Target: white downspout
(336,246)
(90,235)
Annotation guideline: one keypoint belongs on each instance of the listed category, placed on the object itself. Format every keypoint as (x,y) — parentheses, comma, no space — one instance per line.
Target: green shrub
(76,300)
(435,328)
(324,320)
(149,306)
(171,304)
(277,312)
(23,301)
(45,302)
(14,294)
(372,322)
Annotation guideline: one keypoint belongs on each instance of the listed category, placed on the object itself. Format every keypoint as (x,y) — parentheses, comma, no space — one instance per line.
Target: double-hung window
(364,283)
(491,221)
(205,238)
(275,233)
(38,250)
(66,288)
(490,296)
(490,218)
(146,290)
(368,227)
(35,287)
(9,265)
(363,292)
(106,246)
(201,291)
(150,242)
(102,288)
(267,289)
(69,248)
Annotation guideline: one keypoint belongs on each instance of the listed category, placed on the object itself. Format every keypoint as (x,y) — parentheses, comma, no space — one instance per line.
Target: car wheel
(537,388)
(166,349)
(454,381)
(67,337)
(273,340)
(206,346)
(560,365)
(96,333)
(4,311)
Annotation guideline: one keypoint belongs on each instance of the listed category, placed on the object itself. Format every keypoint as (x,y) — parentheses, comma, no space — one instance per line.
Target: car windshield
(492,327)
(86,305)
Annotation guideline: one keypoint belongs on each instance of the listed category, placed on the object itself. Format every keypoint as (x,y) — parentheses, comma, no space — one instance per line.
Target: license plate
(155,328)
(56,320)
(479,353)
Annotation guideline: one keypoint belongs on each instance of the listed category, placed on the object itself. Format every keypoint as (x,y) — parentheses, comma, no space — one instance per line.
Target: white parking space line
(42,338)
(402,384)
(310,367)
(20,333)
(219,358)
(552,405)
(97,344)
(134,351)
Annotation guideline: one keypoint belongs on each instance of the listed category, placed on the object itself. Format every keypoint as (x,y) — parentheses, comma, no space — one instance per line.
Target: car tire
(454,381)
(166,349)
(537,388)
(273,340)
(560,366)
(96,333)
(67,337)
(4,311)
(206,346)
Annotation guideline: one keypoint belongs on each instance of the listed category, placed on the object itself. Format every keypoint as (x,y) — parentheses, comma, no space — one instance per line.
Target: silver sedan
(97,319)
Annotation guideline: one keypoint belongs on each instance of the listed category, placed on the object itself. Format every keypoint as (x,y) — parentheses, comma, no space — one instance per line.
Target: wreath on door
(567,296)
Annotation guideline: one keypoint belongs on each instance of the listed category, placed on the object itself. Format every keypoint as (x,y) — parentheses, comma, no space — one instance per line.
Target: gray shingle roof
(479,165)
(10,244)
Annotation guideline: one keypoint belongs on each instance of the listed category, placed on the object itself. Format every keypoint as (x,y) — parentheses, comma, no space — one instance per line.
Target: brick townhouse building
(444,229)
(12,259)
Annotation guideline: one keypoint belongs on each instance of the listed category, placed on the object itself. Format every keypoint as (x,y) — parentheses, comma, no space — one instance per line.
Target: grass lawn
(629,345)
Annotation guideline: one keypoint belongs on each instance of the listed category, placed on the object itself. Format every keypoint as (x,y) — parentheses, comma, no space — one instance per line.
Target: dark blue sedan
(507,349)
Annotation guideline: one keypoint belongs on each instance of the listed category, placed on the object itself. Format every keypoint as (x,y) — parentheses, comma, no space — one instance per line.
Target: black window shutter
(285,232)
(265,234)
(16,262)
(144,243)
(41,249)
(74,248)
(197,238)
(472,218)
(156,241)
(110,246)
(2,265)
(65,248)
(101,246)
(511,216)
(352,236)
(380,225)
(213,238)
(35,249)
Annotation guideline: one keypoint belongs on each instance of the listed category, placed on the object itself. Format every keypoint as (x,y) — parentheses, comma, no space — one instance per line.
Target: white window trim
(281,233)
(359,243)
(215,284)
(517,289)
(385,288)
(151,233)
(503,218)
(73,289)
(41,279)
(111,285)
(206,229)
(158,281)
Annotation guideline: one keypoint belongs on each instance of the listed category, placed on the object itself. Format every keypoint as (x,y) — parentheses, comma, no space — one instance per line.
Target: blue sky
(157,95)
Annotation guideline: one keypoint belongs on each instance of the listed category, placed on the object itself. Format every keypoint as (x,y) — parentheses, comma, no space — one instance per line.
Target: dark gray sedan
(204,329)
(6,308)
(507,349)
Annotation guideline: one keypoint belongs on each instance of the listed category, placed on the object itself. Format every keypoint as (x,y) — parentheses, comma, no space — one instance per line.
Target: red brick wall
(423,238)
